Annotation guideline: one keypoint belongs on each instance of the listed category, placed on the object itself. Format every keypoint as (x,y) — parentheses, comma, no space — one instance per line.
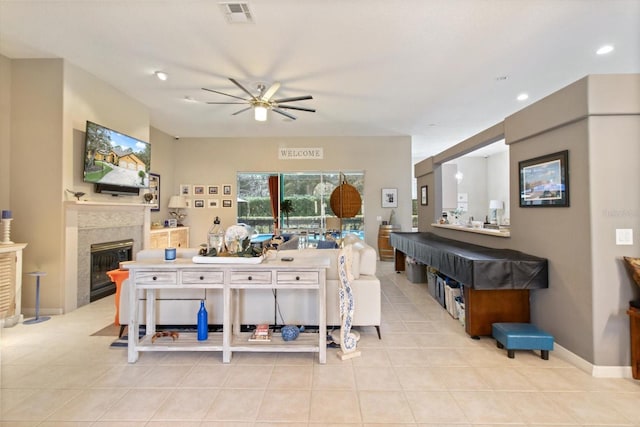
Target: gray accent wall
(598,120)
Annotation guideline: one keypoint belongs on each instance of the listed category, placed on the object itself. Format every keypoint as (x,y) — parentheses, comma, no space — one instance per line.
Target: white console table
(149,275)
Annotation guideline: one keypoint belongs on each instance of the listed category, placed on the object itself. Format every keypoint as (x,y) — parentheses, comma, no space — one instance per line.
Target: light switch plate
(624,236)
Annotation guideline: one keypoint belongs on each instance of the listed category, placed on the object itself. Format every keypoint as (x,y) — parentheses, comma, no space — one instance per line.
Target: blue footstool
(522,336)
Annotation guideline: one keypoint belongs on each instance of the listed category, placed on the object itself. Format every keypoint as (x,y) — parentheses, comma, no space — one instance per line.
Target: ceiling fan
(262,102)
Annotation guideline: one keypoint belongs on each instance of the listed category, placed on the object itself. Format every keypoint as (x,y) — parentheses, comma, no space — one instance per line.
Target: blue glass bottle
(203,323)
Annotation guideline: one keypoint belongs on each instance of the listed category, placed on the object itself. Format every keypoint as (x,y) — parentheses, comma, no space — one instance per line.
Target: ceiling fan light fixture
(161,75)
(260,113)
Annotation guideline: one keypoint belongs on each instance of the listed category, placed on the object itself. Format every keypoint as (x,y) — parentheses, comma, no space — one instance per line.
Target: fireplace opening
(106,257)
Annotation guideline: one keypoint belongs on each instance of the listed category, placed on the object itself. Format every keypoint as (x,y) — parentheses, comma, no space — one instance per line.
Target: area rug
(112,330)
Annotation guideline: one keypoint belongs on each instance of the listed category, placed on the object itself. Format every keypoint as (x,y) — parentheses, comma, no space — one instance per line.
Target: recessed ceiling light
(162,75)
(523,97)
(603,50)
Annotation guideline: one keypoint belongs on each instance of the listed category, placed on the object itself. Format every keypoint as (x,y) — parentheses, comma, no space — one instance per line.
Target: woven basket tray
(345,201)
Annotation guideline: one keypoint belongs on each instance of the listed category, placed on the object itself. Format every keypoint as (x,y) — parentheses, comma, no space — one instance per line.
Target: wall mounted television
(117,163)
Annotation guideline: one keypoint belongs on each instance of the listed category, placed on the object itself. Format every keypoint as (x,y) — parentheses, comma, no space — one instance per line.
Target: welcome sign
(307,153)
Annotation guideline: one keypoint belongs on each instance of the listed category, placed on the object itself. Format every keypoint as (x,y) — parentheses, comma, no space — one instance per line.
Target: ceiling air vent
(237,13)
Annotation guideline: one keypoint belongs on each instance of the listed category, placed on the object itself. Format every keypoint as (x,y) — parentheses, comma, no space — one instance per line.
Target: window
(303,201)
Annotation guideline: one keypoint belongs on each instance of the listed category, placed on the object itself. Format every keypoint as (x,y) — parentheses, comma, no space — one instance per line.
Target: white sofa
(179,307)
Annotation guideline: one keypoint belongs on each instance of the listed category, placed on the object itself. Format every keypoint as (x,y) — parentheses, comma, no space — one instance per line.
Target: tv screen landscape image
(114,158)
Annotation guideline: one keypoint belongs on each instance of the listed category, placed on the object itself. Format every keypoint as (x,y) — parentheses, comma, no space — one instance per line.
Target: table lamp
(177,203)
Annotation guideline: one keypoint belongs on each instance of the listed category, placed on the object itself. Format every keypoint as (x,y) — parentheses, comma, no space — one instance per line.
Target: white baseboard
(589,368)
(31,312)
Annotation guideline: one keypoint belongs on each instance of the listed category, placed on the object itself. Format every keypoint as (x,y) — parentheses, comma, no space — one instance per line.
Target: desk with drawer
(148,276)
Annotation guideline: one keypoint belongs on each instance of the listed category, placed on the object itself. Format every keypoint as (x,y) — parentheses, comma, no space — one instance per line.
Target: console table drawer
(168,277)
(306,277)
(259,277)
(208,277)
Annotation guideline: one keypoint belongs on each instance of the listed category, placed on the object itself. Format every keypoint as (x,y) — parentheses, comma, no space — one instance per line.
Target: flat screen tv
(115,162)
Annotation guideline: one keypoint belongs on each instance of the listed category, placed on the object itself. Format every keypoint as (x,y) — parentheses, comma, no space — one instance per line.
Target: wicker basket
(345,201)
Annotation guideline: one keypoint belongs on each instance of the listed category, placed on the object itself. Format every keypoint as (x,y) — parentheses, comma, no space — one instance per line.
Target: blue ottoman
(522,336)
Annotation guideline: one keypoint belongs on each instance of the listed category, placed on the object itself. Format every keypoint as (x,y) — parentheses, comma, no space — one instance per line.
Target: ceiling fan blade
(243,88)
(241,111)
(222,93)
(284,113)
(295,98)
(291,107)
(226,103)
(271,91)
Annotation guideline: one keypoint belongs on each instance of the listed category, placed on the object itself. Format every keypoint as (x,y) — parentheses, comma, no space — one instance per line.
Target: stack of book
(261,333)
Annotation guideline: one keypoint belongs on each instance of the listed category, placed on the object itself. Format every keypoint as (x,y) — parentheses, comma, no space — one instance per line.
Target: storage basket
(416,272)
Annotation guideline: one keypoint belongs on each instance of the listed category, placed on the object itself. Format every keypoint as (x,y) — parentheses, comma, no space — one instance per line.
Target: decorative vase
(290,332)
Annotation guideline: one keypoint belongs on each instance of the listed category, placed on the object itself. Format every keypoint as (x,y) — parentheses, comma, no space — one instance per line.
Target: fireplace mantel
(91,218)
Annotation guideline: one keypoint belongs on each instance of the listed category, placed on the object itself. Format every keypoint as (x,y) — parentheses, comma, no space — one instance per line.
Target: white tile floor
(424,372)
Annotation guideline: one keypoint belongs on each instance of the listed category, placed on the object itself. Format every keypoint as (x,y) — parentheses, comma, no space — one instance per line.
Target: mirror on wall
(476,186)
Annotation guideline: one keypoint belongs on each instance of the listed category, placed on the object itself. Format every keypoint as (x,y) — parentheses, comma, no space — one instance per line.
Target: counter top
(502,232)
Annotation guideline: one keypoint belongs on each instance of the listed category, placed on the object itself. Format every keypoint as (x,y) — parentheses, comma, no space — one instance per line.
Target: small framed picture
(424,195)
(226,190)
(213,203)
(212,190)
(226,203)
(188,203)
(198,203)
(198,190)
(154,189)
(185,189)
(389,197)
(544,181)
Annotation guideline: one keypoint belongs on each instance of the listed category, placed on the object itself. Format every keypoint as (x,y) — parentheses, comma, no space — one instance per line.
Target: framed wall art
(198,190)
(212,190)
(424,195)
(544,181)
(154,189)
(389,197)
(226,203)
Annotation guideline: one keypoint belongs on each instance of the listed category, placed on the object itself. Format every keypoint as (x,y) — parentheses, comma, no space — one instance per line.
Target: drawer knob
(155,278)
(249,278)
(201,277)
(297,277)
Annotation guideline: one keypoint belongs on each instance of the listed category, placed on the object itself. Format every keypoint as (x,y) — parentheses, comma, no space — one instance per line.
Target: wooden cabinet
(11,283)
(485,307)
(169,237)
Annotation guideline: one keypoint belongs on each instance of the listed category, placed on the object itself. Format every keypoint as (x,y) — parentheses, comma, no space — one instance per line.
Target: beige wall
(386,162)
(36,173)
(50,102)
(5,133)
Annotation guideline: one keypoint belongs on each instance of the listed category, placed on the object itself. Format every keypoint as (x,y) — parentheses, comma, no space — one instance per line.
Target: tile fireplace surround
(97,222)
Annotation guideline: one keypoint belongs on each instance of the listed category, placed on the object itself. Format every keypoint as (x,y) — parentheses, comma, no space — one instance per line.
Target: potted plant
(286,206)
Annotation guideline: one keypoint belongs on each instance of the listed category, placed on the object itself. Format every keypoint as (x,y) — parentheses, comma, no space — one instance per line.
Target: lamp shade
(177,202)
(495,204)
